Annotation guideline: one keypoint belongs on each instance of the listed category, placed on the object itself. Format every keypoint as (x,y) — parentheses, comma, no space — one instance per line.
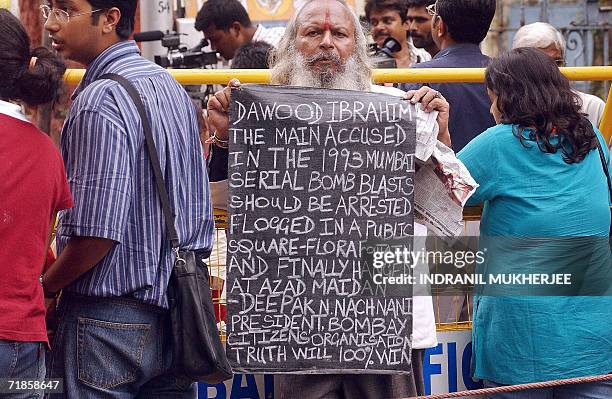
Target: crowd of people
(528,139)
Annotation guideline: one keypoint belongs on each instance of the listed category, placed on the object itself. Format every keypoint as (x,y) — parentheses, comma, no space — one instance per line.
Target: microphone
(383,58)
(392,45)
(149,36)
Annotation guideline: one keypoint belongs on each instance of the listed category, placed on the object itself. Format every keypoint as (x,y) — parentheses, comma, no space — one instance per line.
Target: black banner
(313,175)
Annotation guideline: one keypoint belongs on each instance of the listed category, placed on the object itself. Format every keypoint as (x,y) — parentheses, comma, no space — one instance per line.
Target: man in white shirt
(388,18)
(325,47)
(227,26)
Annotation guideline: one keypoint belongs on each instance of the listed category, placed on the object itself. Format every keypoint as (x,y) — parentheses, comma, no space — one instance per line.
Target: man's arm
(49,238)
(79,256)
(218,110)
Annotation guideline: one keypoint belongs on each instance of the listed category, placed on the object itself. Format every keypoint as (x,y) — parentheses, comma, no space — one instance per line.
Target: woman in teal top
(540,175)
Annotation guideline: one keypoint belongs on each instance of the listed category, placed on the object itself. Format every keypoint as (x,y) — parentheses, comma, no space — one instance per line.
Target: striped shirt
(112,181)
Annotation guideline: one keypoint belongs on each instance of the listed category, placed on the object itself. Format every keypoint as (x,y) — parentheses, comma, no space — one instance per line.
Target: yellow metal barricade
(431,75)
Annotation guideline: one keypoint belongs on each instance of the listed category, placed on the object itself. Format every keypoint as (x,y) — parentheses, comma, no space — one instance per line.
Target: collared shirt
(592,106)
(417,55)
(12,110)
(470,105)
(112,182)
(272,36)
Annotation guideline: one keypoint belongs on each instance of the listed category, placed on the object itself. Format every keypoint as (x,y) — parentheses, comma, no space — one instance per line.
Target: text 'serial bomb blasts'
(178,56)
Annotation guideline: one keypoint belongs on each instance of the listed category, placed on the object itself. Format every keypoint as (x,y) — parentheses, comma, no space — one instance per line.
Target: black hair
(126,24)
(468,21)
(419,3)
(536,97)
(39,84)
(252,55)
(401,6)
(221,14)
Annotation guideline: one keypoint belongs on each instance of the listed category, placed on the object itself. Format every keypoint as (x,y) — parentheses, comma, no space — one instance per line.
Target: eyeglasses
(560,62)
(431,9)
(61,16)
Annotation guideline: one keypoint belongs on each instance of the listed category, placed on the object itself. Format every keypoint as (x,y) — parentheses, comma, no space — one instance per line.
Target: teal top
(529,193)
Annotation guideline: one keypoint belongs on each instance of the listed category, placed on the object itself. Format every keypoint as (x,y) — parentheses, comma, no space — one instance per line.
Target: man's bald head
(322,42)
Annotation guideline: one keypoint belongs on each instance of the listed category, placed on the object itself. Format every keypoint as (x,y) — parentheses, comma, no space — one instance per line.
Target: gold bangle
(217,141)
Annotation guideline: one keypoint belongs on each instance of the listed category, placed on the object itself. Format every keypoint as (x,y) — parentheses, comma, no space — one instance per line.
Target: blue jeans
(593,390)
(25,360)
(114,348)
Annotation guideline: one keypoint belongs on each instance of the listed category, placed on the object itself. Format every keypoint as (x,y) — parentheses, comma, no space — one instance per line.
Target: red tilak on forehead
(326,25)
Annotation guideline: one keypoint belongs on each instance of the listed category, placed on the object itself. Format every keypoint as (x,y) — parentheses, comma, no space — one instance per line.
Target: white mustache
(323,57)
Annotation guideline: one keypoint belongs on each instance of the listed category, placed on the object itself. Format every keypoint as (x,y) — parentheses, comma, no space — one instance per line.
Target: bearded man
(324,47)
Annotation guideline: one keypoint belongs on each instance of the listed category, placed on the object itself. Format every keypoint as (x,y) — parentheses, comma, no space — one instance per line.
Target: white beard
(345,78)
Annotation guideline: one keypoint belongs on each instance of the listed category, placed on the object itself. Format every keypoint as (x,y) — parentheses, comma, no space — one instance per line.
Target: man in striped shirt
(114,256)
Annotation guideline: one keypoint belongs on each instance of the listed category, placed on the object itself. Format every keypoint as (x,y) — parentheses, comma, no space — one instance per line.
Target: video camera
(383,56)
(178,56)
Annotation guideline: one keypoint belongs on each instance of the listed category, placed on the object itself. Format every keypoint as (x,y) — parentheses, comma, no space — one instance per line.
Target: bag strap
(150,144)
(605,167)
